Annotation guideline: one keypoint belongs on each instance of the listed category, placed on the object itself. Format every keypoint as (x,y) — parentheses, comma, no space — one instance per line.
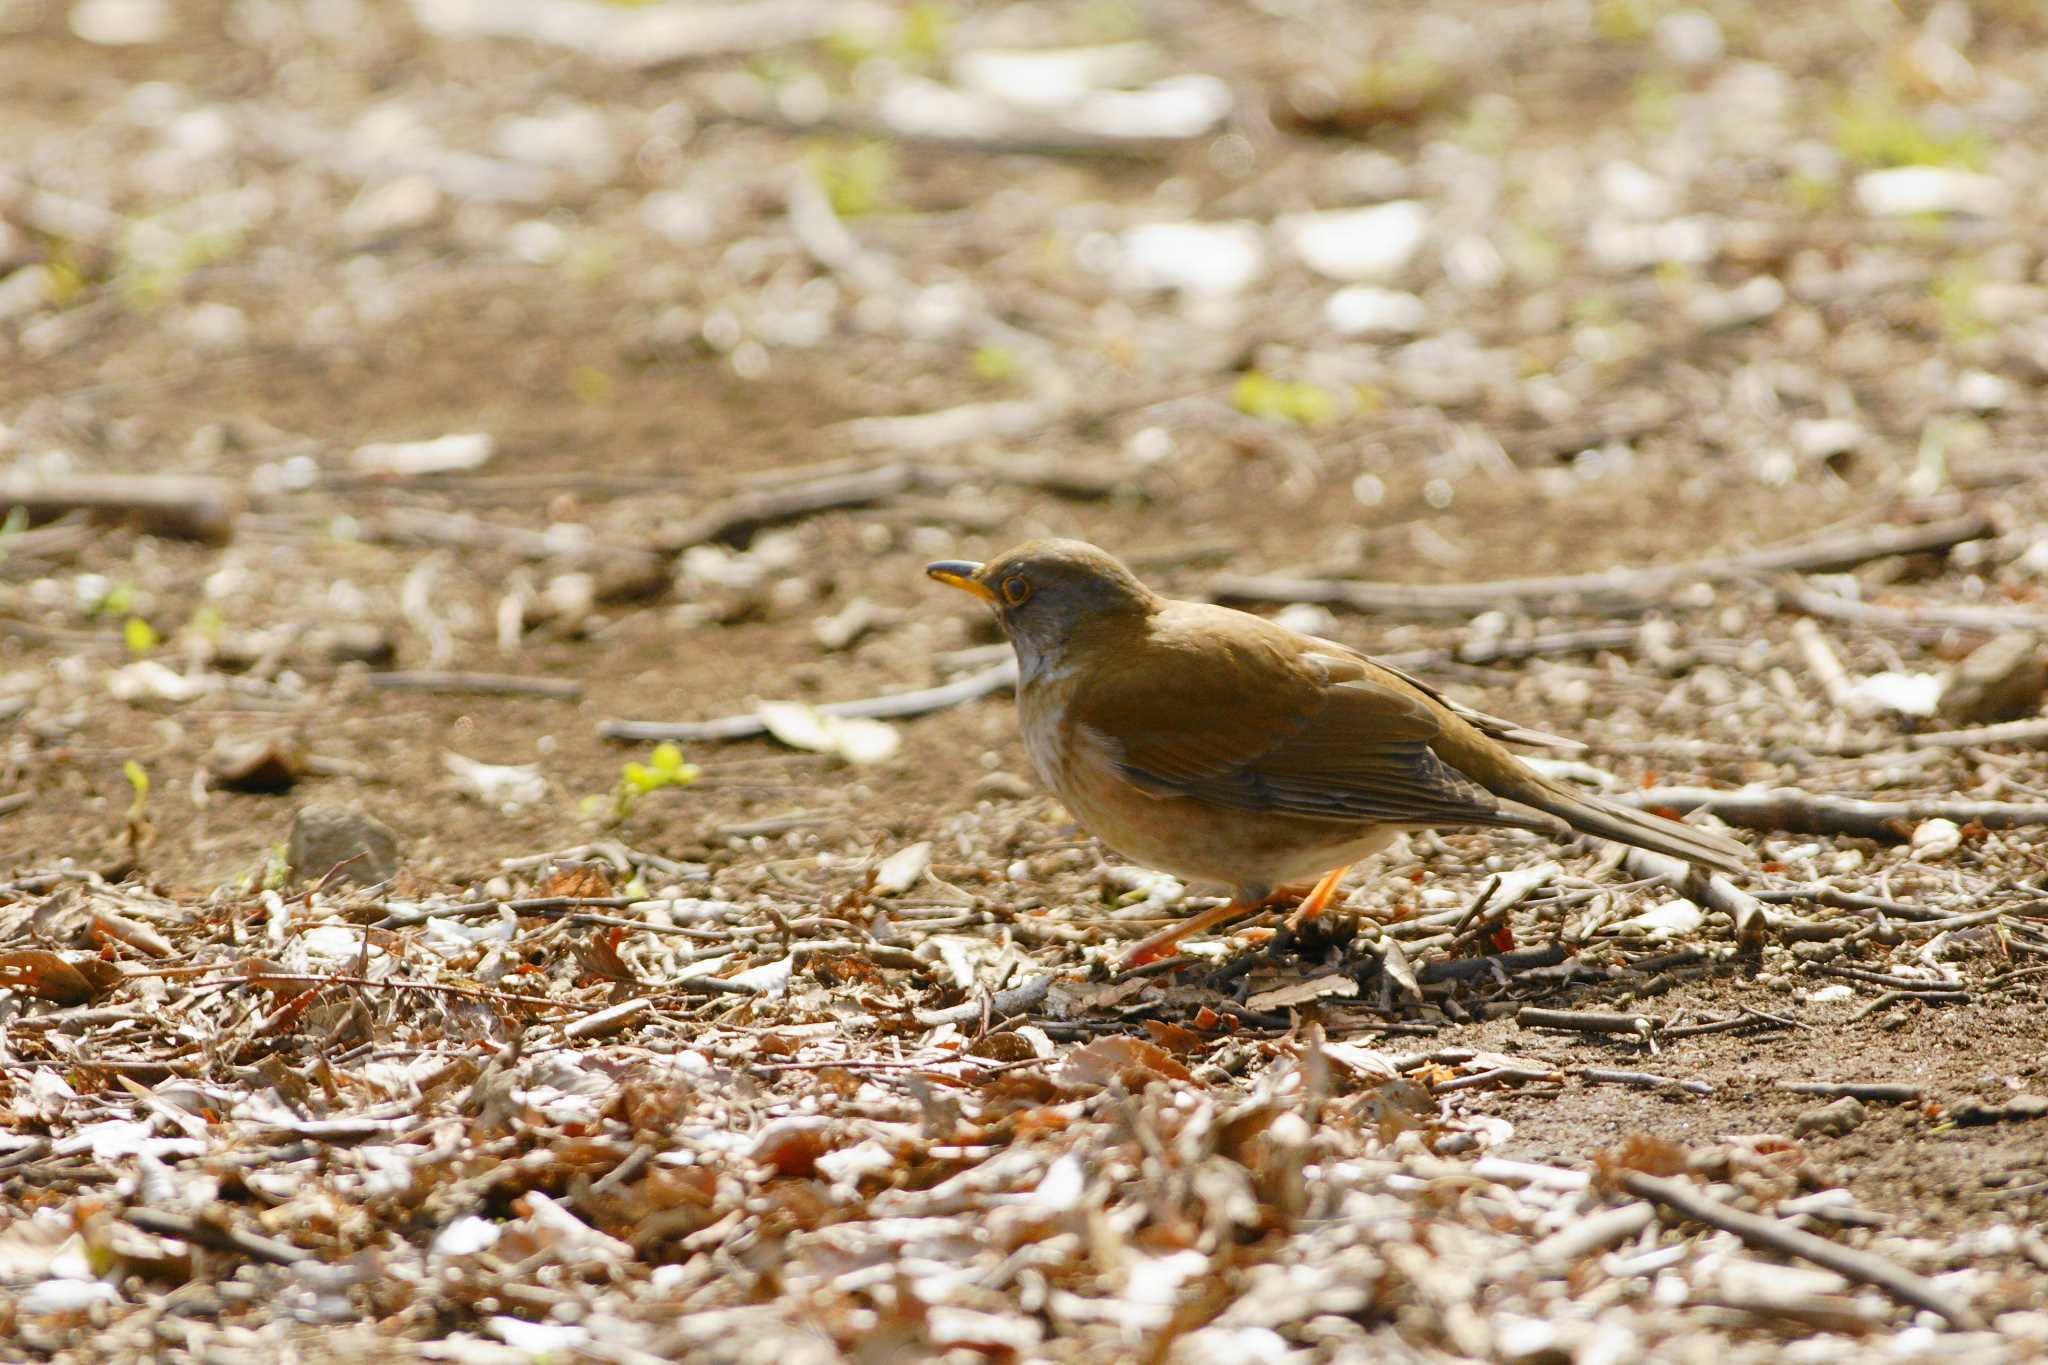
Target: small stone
(1192,258)
(1982,391)
(2003,679)
(326,835)
(1910,191)
(261,764)
(1845,1115)
(1934,839)
(1001,786)
(1689,37)
(121,23)
(352,644)
(1826,438)
(399,205)
(1364,310)
(1374,243)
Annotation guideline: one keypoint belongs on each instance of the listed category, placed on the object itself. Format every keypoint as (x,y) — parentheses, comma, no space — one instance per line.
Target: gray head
(1047,593)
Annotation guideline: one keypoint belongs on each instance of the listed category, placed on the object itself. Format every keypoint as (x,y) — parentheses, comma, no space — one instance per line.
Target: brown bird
(1218,746)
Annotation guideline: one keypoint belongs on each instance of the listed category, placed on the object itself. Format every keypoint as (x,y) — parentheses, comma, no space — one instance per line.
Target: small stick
(484,684)
(1877,1092)
(1827,669)
(220,1236)
(889,706)
(734,519)
(1890,998)
(1602,1076)
(1752,919)
(1499,1075)
(1575,1241)
(1746,1019)
(1770,1234)
(1877,978)
(1016,1000)
(1588,1021)
(1788,810)
(1935,619)
(177,505)
(1633,586)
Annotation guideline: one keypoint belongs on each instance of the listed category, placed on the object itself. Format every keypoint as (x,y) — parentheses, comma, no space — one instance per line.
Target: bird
(1221,747)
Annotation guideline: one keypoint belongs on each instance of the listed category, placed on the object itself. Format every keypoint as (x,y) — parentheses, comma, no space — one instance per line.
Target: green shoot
(138,831)
(1261,395)
(139,635)
(664,768)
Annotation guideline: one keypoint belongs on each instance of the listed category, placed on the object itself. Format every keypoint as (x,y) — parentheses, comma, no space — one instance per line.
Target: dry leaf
(49,976)
(1119,1059)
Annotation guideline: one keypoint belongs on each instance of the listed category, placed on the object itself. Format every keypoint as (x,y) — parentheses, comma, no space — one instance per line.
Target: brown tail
(1590,814)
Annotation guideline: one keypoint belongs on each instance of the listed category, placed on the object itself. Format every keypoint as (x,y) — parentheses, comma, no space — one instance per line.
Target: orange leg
(1313,904)
(1157,945)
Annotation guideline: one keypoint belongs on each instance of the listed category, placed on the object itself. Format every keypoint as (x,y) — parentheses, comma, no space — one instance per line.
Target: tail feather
(1590,814)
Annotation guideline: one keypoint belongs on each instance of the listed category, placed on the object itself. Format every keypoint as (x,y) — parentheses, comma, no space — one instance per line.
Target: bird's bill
(963,574)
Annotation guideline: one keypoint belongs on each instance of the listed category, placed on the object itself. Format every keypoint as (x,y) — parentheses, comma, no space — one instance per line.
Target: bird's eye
(1015,590)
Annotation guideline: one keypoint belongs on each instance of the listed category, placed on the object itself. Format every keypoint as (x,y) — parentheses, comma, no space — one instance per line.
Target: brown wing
(1239,716)
(1493,727)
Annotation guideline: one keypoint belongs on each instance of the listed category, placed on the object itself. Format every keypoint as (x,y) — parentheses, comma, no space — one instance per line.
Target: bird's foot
(1154,947)
(1318,899)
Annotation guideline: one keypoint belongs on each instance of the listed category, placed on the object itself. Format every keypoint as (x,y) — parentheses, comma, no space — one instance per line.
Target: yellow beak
(961,574)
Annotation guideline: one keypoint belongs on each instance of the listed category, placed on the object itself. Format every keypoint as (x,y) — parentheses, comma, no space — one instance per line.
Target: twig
(1934,619)
(890,706)
(1575,1241)
(1602,1076)
(1770,1234)
(182,506)
(1752,919)
(1789,810)
(736,518)
(1613,588)
(1746,1019)
(1875,1091)
(432,987)
(1571,1021)
(1826,668)
(206,1232)
(1890,998)
(1499,1075)
(1016,1000)
(484,684)
(2022,732)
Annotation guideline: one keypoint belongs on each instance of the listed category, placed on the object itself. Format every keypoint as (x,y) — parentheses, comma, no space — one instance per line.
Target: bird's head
(1046,592)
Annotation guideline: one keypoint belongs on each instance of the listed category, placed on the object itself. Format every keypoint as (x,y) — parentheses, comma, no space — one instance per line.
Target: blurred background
(646,352)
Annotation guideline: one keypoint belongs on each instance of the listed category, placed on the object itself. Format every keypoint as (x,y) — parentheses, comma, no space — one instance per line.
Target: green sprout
(855,179)
(663,768)
(593,387)
(138,831)
(14,525)
(1261,395)
(1954,292)
(993,362)
(1876,132)
(139,635)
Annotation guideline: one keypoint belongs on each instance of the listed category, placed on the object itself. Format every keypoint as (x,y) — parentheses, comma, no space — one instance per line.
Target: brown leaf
(48,976)
(1181,1042)
(1003,1047)
(1640,1152)
(1119,1059)
(580,880)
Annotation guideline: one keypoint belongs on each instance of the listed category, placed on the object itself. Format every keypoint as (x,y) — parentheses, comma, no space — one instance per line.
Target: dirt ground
(1664,308)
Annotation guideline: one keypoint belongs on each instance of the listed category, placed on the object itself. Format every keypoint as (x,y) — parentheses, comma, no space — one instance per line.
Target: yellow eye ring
(1016,590)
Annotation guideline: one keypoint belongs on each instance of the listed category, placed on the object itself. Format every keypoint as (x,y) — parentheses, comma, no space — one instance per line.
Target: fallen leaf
(1119,1059)
(48,976)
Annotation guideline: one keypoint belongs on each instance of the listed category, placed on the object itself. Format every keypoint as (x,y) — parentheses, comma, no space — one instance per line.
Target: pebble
(1375,243)
(1689,37)
(121,23)
(1982,391)
(1192,258)
(2003,679)
(399,205)
(25,291)
(1824,438)
(254,764)
(1845,1115)
(1909,191)
(1634,193)
(1933,839)
(326,834)
(1623,246)
(1365,310)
